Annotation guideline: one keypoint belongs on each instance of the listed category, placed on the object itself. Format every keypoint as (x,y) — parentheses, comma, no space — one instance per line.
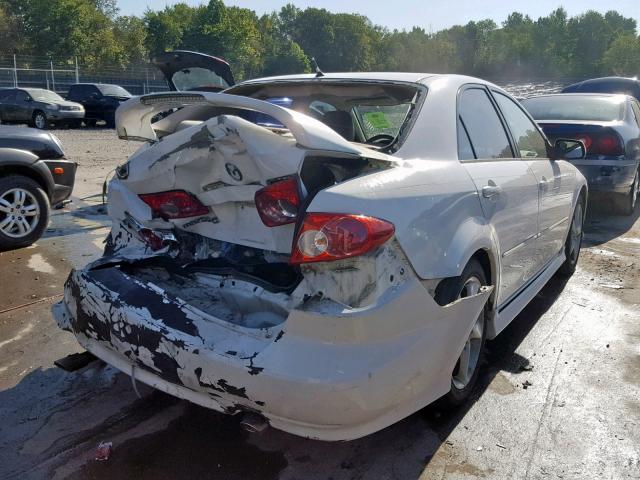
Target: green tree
(623,56)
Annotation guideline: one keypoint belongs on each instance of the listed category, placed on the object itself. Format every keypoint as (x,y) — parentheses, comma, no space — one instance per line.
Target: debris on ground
(526,384)
(499,445)
(103,452)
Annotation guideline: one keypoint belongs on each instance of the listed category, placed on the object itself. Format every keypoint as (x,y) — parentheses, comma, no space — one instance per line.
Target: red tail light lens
(326,237)
(278,203)
(608,145)
(586,139)
(174,204)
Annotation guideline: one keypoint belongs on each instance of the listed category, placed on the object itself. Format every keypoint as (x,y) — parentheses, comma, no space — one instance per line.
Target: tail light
(174,204)
(278,203)
(608,144)
(604,144)
(329,236)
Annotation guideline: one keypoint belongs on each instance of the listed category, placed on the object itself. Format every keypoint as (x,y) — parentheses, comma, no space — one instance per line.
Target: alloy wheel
(19,213)
(576,233)
(468,361)
(39,120)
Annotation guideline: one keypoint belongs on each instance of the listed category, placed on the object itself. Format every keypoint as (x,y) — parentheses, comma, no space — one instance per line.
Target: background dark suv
(100,101)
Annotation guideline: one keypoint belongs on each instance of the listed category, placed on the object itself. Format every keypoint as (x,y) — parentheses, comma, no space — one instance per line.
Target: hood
(193,71)
(65,103)
(43,144)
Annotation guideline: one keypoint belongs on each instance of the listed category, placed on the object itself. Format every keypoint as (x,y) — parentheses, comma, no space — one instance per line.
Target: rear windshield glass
(44,95)
(113,91)
(196,77)
(578,107)
(364,112)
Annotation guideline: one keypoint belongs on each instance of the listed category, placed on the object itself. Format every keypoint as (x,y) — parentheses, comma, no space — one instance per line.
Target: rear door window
(485,131)
(529,141)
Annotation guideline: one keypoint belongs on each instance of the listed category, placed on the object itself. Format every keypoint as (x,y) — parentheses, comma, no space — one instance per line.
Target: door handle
(489,191)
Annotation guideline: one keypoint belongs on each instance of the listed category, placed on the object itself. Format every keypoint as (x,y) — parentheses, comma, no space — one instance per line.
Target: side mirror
(567,149)
(28,99)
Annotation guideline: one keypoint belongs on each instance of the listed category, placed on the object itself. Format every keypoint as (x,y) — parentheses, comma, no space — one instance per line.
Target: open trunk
(223,162)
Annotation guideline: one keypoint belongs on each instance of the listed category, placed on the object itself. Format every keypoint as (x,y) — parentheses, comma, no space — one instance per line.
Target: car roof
(95,83)
(609,79)
(450,80)
(621,96)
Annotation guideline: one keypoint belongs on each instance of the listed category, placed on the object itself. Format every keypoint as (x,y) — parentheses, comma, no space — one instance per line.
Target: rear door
(6,97)
(555,179)
(506,186)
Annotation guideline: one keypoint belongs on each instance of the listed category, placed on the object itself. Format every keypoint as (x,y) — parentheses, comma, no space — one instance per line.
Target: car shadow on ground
(602,226)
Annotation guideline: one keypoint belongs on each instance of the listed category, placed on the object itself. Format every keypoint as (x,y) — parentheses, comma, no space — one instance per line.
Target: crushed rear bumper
(326,372)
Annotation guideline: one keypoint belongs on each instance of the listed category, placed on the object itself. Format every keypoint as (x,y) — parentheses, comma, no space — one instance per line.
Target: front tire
(465,374)
(573,243)
(39,120)
(24,211)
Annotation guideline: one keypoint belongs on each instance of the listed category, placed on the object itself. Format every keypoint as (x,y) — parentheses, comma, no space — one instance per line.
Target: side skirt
(506,313)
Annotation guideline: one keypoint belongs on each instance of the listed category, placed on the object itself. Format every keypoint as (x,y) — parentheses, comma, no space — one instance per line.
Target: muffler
(253,423)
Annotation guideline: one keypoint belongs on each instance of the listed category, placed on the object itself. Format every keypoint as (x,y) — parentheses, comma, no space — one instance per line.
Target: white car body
(357,344)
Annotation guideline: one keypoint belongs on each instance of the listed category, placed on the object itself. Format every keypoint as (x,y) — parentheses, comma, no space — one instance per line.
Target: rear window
(578,107)
(374,113)
(196,77)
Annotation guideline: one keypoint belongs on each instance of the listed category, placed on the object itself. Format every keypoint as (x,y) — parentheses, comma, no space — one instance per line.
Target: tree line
(553,46)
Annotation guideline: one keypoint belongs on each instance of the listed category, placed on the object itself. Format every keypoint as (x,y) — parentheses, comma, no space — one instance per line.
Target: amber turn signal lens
(58,170)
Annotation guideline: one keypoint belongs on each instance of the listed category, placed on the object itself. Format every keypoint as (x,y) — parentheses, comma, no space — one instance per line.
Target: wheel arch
(20,162)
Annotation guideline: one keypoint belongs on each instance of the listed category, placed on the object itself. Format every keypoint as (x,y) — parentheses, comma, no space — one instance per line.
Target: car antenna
(314,64)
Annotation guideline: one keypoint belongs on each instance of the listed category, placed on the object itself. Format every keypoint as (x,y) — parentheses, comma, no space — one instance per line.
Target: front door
(506,187)
(552,179)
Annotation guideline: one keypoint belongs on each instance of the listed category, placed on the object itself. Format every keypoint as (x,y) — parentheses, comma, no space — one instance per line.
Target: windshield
(45,96)
(576,107)
(113,91)
(196,77)
(365,112)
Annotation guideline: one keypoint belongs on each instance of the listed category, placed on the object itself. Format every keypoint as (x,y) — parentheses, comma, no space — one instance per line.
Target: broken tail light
(174,204)
(329,236)
(278,203)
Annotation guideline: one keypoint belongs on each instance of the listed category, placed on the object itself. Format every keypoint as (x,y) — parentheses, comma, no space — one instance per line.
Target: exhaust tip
(253,423)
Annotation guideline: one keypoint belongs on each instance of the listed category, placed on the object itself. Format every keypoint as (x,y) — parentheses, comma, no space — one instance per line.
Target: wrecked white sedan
(325,255)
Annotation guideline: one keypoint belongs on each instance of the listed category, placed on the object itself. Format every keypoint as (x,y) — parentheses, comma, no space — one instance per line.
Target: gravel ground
(559,396)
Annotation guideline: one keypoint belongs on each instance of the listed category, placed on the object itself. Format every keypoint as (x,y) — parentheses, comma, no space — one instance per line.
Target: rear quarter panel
(433,205)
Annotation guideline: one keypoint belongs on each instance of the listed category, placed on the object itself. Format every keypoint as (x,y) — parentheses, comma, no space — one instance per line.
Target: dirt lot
(559,396)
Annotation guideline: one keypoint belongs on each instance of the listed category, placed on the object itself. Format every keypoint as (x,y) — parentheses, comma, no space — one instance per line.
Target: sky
(431,15)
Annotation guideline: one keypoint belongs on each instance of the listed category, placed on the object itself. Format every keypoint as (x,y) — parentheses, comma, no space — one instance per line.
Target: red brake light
(608,145)
(586,139)
(329,236)
(174,204)
(278,203)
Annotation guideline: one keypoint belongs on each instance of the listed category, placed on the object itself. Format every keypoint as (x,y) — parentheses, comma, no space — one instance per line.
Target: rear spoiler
(133,118)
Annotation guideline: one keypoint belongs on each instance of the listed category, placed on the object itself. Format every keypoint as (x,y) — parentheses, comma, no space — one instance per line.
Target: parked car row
(40,108)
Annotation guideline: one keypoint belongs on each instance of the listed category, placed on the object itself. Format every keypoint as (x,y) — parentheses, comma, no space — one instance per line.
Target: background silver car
(38,107)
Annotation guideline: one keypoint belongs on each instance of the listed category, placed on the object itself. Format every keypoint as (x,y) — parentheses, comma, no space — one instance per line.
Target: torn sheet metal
(320,371)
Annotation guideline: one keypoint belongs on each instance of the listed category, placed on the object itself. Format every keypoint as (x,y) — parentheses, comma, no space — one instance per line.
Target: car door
(22,107)
(94,101)
(10,107)
(505,184)
(6,96)
(555,179)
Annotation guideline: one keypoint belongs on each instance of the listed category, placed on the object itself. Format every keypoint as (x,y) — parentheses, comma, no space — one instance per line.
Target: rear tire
(627,203)
(573,243)
(463,380)
(24,211)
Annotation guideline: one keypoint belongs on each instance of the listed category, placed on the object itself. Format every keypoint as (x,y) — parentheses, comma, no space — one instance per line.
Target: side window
(93,92)
(21,96)
(530,143)
(465,150)
(483,126)
(6,95)
(636,111)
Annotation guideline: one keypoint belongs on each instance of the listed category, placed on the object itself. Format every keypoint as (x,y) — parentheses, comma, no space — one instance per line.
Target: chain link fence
(57,75)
